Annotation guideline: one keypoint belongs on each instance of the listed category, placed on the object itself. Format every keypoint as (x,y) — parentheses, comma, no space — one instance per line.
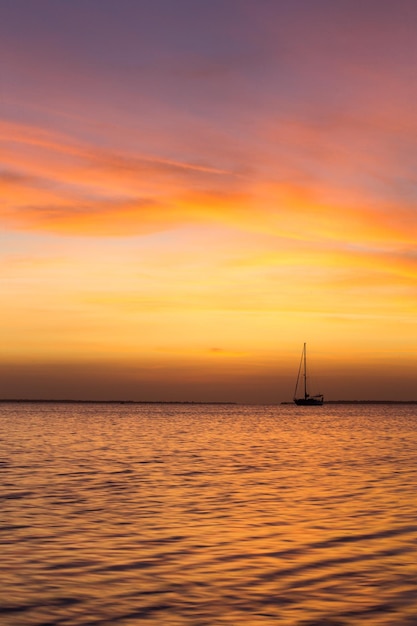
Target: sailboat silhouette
(307,400)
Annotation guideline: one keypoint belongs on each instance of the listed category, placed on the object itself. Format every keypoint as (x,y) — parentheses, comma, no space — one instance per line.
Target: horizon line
(96,401)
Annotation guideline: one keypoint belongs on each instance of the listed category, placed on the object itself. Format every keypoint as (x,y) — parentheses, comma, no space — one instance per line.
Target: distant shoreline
(371,402)
(45,401)
(365,402)
(130,402)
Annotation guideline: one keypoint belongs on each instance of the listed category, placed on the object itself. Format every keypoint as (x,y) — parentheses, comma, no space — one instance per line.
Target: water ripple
(208,515)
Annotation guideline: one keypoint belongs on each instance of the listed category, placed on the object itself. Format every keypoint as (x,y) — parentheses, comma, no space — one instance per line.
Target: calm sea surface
(207,515)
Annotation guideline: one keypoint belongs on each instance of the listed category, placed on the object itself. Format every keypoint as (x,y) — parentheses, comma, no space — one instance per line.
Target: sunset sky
(191,189)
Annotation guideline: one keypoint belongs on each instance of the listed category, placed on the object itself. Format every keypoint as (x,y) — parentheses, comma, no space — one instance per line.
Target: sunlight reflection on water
(208,514)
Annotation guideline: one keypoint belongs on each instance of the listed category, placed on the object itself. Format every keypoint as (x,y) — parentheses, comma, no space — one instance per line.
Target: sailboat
(307,400)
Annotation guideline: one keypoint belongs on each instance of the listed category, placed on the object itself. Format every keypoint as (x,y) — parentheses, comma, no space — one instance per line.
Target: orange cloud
(53,184)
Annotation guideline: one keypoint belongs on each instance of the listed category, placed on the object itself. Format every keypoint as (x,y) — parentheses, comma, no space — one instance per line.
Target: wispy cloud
(54,184)
(57,185)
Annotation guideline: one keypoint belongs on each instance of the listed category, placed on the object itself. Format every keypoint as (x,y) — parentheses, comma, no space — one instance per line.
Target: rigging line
(298,376)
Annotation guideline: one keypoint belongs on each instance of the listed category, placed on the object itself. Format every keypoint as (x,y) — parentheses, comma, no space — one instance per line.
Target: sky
(192,189)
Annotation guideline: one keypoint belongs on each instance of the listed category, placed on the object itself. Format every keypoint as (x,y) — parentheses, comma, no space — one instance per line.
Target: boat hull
(308,401)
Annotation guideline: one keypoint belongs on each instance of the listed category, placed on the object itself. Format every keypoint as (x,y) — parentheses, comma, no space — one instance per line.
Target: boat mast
(305,372)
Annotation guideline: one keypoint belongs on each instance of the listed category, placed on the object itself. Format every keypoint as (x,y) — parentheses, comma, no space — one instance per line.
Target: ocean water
(205,515)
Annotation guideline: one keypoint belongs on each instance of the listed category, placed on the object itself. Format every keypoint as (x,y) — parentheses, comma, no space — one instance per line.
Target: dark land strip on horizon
(68,401)
(52,401)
